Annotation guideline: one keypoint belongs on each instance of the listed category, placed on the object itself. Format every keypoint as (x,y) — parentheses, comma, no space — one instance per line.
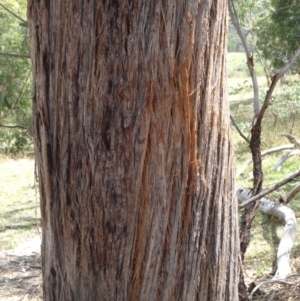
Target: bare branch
(238,129)
(21,92)
(15,127)
(21,56)
(275,79)
(292,193)
(276,186)
(270,282)
(12,13)
(276,149)
(249,56)
(289,65)
(292,139)
(282,160)
(264,154)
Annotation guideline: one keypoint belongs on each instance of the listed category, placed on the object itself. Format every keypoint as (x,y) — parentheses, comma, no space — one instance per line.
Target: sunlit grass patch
(19,207)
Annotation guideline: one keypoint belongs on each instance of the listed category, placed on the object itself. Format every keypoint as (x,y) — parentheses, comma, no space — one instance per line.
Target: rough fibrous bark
(132,141)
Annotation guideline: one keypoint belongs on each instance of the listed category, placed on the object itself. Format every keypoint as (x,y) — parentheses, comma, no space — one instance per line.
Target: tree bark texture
(249,211)
(135,161)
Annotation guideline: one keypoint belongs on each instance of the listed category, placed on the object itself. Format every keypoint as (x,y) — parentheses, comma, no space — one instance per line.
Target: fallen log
(289,234)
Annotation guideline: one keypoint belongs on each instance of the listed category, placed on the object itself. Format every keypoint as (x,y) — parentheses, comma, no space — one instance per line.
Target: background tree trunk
(135,162)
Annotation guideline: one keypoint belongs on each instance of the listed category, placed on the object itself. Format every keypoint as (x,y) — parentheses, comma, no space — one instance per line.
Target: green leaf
(23,24)
(1,100)
(7,103)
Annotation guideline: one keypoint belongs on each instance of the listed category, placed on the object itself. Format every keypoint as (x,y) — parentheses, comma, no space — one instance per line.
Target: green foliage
(278,33)
(272,31)
(15,80)
(286,101)
(237,66)
(250,12)
(234,42)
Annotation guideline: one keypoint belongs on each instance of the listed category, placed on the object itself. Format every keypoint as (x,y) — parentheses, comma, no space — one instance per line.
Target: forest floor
(20,260)
(20,271)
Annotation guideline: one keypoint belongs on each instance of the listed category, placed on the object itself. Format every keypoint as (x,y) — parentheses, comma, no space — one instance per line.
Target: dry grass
(19,207)
(20,266)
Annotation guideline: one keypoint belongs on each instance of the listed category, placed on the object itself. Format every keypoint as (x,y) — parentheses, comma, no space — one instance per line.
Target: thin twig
(15,15)
(291,295)
(15,127)
(292,193)
(18,278)
(39,267)
(250,64)
(292,139)
(276,186)
(274,81)
(238,129)
(271,282)
(36,195)
(21,56)
(20,94)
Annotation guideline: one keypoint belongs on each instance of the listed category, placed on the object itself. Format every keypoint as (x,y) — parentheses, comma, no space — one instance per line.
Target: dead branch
(296,144)
(292,139)
(16,127)
(238,129)
(264,154)
(15,15)
(276,186)
(270,282)
(281,161)
(21,56)
(249,56)
(292,194)
(274,81)
(276,149)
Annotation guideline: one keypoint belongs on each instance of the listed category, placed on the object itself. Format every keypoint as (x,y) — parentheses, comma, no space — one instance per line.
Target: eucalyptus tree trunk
(134,156)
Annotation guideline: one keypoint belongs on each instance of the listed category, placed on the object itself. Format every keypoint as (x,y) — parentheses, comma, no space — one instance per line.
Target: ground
(20,270)
(20,262)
